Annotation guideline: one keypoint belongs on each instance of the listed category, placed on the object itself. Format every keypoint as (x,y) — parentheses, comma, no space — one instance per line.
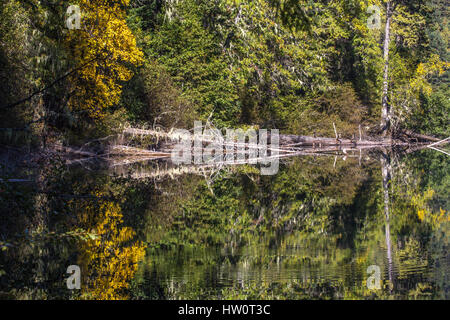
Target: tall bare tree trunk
(386,108)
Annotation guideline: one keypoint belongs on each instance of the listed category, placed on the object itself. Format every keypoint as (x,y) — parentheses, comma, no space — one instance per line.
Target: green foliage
(269,63)
(296,65)
(340,105)
(157,100)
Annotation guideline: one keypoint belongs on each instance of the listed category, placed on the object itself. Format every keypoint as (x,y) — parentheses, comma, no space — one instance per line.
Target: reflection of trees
(309,231)
(409,224)
(416,225)
(386,173)
(35,263)
(256,222)
(109,260)
(35,259)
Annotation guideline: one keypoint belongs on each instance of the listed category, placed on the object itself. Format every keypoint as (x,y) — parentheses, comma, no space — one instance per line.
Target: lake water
(369,226)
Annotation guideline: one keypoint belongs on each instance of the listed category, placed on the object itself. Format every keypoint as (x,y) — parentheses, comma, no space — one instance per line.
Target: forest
(298,66)
(90,91)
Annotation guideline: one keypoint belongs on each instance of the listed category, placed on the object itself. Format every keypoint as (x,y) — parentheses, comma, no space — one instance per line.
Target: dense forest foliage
(297,66)
(143,230)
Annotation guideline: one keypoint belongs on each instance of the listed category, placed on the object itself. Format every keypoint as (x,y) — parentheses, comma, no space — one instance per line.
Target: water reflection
(154,231)
(386,173)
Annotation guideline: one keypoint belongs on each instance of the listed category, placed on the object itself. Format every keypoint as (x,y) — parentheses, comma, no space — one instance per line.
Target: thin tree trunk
(386,108)
(386,168)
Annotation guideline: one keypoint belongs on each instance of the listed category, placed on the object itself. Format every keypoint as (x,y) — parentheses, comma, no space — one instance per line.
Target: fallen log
(126,150)
(446,140)
(287,140)
(420,136)
(70,150)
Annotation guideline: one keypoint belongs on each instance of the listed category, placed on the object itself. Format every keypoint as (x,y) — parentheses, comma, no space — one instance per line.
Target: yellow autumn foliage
(111,260)
(102,50)
(434,66)
(424,213)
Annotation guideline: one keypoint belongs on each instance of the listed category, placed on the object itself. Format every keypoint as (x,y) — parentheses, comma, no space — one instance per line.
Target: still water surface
(147,230)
